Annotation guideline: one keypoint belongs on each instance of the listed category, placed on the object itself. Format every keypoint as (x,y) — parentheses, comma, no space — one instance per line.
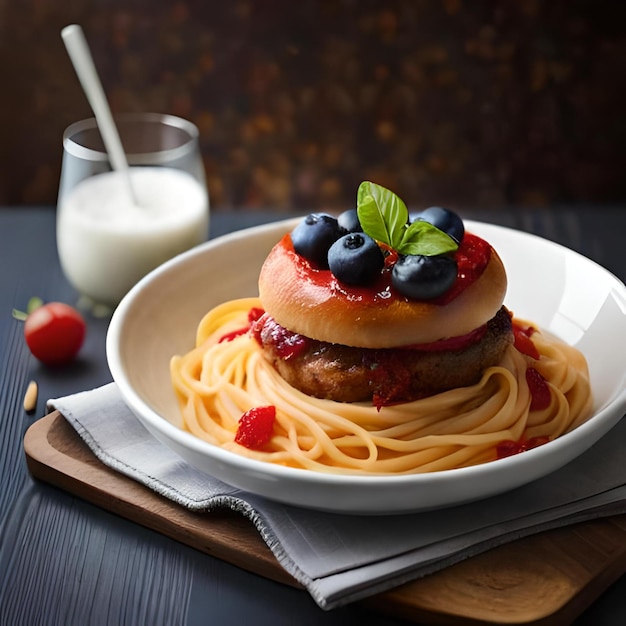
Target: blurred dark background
(454,102)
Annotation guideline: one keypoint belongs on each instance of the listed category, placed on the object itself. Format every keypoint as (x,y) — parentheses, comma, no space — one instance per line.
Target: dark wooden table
(65,562)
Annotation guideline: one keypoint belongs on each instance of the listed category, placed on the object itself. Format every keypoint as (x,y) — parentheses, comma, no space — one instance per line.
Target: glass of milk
(107,242)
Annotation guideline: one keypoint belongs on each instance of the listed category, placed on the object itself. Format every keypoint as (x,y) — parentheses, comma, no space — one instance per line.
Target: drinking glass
(109,238)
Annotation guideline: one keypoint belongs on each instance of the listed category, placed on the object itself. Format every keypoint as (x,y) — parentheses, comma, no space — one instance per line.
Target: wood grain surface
(546,579)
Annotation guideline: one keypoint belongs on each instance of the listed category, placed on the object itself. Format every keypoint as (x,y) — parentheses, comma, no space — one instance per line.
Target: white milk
(106,244)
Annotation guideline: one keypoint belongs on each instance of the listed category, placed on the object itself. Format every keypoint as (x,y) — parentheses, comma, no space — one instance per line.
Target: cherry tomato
(54,333)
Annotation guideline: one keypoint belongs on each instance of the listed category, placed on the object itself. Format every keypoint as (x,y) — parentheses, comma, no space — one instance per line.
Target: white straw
(82,60)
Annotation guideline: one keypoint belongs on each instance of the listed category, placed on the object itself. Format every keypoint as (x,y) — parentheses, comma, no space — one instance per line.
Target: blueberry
(314,235)
(349,221)
(355,259)
(444,219)
(424,277)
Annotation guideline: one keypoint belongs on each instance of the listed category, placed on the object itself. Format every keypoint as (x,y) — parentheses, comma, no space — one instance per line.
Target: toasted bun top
(313,303)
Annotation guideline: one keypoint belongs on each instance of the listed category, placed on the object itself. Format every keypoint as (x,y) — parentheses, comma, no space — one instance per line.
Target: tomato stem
(34,303)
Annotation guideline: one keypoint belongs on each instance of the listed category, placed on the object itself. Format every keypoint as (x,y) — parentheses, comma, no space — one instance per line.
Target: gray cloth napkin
(343,558)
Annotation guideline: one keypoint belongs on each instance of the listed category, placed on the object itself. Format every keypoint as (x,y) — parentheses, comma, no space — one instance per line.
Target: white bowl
(557,288)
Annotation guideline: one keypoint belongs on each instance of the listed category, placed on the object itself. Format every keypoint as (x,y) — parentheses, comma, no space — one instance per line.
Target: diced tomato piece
(253,315)
(256,427)
(524,343)
(539,390)
(510,447)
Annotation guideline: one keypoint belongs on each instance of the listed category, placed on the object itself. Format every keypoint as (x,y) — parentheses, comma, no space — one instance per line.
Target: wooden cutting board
(549,578)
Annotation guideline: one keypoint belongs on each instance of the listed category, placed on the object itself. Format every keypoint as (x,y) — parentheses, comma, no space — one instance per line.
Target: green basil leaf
(425,239)
(384,217)
(382,214)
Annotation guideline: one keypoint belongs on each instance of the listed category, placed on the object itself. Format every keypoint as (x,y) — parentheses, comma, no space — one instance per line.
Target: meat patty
(384,376)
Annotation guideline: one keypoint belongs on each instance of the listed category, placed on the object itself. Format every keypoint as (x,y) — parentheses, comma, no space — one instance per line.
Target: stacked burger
(382,306)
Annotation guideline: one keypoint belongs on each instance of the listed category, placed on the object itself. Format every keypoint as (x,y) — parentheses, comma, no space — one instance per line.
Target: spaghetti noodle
(218,381)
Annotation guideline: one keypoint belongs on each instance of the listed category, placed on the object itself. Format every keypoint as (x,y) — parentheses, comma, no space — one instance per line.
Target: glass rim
(158,156)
